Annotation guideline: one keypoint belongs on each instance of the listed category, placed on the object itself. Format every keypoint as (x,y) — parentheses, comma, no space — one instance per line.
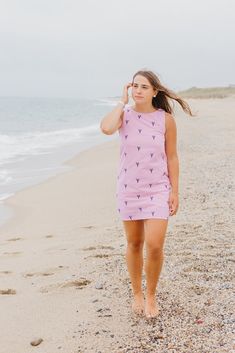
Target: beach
(63,273)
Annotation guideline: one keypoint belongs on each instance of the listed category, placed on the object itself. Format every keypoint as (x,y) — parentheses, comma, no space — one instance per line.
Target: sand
(63,275)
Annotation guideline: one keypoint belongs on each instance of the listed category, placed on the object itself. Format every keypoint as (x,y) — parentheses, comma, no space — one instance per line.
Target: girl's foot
(138,304)
(151,308)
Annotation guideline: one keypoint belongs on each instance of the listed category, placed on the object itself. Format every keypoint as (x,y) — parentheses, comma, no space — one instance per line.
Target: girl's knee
(135,245)
(154,250)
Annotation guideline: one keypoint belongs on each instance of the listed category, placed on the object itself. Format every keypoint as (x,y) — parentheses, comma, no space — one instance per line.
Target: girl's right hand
(125,97)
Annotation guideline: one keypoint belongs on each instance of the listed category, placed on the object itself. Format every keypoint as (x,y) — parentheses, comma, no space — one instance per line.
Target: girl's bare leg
(134,257)
(155,230)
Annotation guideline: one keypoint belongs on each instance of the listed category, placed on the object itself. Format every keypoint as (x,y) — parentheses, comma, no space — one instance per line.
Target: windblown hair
(163,94)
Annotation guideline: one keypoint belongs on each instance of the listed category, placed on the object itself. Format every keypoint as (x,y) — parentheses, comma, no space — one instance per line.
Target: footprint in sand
(5,272)
(87,227)
(103,247)
(99,247)
(80,283)
(12,253)
(14,239)
(106,247)
(7,291)
(77,284)
(99,255)
(89,248)
(39,274)
(49,236)
(48,272)
(104,255)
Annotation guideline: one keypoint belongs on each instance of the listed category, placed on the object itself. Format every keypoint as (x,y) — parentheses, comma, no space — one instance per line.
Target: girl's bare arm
(113,120)
(171,152)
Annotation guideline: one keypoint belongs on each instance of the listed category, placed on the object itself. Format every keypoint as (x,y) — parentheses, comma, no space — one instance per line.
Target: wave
(36,143)
(106,101)
(3,197)
(5,177)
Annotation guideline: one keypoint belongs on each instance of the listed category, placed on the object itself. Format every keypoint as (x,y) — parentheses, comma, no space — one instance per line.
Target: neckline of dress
(155,111)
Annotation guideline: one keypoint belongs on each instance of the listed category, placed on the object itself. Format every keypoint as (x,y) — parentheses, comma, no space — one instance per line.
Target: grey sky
(72,48)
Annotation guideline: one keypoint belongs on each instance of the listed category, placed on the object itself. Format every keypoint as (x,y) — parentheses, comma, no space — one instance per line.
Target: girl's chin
(139,100)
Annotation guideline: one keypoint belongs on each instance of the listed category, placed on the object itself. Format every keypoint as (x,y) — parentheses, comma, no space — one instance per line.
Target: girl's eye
(142,87)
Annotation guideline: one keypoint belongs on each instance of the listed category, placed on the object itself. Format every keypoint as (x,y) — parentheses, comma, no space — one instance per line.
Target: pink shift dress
(143,184)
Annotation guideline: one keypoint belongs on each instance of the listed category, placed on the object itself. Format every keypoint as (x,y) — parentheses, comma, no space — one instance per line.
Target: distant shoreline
(208,92)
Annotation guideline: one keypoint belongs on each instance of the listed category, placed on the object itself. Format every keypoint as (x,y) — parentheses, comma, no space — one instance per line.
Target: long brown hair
(163,94)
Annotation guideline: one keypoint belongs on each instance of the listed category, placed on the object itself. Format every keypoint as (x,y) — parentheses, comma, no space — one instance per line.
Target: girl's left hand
(173,203)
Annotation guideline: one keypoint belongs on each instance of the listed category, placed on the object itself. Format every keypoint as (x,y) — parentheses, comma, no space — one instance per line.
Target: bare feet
(138,304)
(151,308)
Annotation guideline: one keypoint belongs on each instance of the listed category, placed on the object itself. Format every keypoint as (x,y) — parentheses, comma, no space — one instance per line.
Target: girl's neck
(143,108)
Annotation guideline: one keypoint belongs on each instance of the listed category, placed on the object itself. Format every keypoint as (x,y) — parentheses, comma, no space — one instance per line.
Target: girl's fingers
(173,209)
(172,205)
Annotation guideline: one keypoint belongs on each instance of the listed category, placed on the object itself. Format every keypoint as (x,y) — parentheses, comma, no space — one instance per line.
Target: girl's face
(142,90)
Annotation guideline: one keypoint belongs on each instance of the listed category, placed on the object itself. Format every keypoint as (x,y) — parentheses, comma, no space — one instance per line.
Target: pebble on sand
(36,341)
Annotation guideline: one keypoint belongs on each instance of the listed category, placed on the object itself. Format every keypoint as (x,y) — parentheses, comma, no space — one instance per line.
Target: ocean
(38,134)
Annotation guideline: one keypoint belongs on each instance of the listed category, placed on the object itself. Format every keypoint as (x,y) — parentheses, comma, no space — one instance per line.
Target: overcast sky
(72,48)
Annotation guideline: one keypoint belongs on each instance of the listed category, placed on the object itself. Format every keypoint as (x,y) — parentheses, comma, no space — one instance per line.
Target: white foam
(3,197)
(5,177)
(37,143)
(107,101)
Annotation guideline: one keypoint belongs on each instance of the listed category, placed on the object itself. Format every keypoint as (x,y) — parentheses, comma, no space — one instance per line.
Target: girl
(147,182)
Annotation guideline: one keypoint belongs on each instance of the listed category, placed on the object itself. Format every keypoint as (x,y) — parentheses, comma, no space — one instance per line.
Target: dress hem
(137,219)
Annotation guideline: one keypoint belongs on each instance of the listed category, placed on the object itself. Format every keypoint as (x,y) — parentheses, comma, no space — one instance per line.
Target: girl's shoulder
(170,123)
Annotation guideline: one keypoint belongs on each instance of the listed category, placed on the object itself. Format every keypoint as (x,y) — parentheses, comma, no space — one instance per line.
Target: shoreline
(63,265)
(73,163)
(64,166)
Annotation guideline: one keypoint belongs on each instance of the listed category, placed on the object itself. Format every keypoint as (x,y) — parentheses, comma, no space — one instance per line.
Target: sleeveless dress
(143,184)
